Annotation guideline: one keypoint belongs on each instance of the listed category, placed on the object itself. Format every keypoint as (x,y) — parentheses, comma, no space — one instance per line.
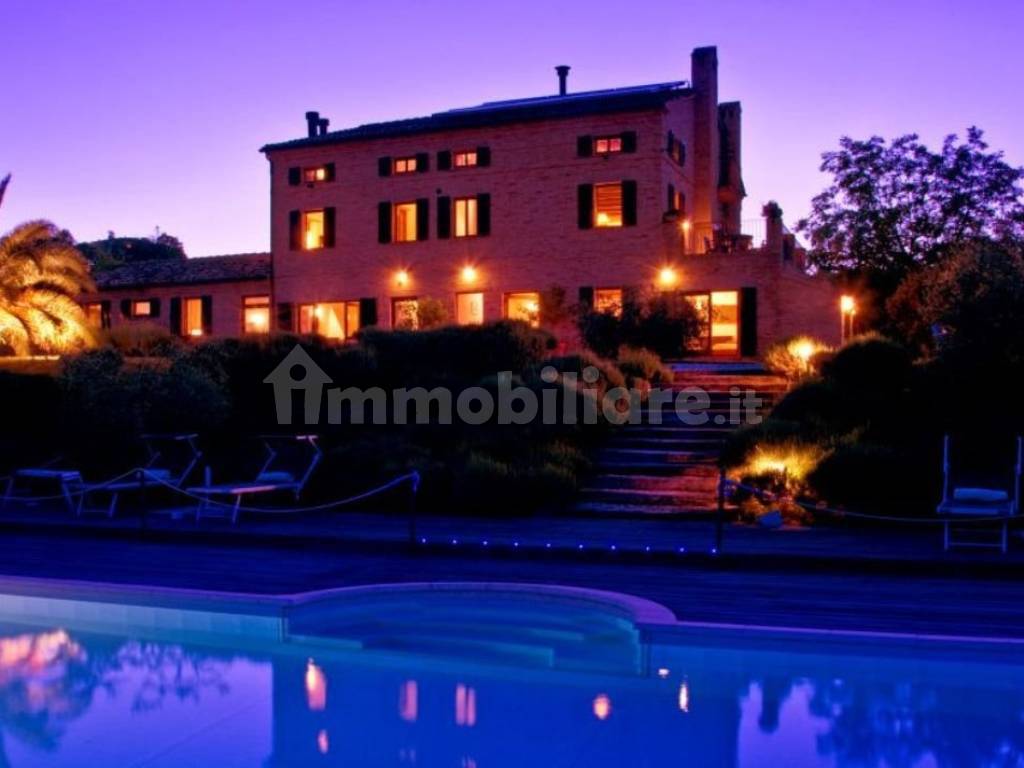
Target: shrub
(144,340)
(869,365)
(816,407)
(664,324)
(870,478)
(642,364)
(431,313)
(796,357)
(601,332)
(609,376)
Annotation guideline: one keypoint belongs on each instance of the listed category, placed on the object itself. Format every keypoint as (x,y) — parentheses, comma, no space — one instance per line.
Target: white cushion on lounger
(980,495)
(276,477)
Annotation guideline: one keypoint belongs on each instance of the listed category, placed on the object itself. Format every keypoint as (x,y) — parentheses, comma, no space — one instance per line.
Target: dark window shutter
(444,217)
(104,314)
(444,160)
(126,307)
(422,162)
(154,307)
(671,197)
(384,166)
(206,305)
(670,147)
(629,141)
(587,297)
(174,316)
(585,206)
(367,312)
(383,222)
(748,322)
(483,214)
(422,219)
(294,176)
(295,230)
(682,153)
(284,316)
(483,156)
(629,203)
(584,146)
(329,172)
(329,227)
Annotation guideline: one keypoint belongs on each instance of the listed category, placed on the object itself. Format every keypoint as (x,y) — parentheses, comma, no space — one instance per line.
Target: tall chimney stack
(312,123)
(563,77)
(704,78)
(321,126)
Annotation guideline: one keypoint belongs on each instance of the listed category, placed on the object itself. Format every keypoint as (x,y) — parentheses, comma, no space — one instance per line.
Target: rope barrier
(763,495)
(78,490)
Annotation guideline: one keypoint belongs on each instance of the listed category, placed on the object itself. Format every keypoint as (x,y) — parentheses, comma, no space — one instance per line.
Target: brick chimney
(773,229)
(563,78)
(312,123)
(704,79)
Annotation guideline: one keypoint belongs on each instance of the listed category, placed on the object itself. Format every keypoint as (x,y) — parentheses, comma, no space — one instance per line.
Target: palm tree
(42,275)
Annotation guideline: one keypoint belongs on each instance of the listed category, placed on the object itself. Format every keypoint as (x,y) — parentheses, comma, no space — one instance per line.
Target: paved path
(708,592)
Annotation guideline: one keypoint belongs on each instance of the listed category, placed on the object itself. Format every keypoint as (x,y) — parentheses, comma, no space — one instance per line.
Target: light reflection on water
(70,698)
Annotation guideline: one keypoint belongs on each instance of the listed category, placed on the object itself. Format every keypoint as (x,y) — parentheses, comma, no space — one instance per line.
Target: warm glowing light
(465,705)
(603,219)
(402,277)
(793,461)
(684,697)
(532,307)
(685,225)
(323,743)
(316,687)
(602,706)
(408,701)
(468,274)
(848,305)
(35,653)
(663,673)
(804,349)
(196,332)
(667,276)
(318,311)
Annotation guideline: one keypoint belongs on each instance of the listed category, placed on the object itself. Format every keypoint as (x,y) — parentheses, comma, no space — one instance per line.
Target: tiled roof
(207,269)
(633,98)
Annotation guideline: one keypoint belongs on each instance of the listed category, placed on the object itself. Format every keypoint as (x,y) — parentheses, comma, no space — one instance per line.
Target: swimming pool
(472,676)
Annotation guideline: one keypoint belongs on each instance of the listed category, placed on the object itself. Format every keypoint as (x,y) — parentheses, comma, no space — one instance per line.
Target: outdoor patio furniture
(67,482)
(171,458)
(284,469)
(970,502)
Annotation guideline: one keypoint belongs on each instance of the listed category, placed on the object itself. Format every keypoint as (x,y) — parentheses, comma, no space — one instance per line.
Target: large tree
(895,206)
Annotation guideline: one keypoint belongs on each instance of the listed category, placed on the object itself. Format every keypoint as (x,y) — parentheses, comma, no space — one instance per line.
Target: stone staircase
(671,468)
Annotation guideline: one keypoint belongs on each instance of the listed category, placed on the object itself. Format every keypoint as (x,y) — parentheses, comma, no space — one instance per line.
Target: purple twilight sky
(126,115)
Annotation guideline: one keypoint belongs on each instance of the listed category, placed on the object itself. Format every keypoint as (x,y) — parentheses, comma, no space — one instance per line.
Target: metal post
(413,489)
(720,520)
(144,516)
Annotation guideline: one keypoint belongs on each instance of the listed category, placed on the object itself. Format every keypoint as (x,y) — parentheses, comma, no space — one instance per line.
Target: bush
(431,313)
(815,407)
(796,357)
(870,365)
(642,364)
(609,376)
(664,324)
(144,340)
(869,478)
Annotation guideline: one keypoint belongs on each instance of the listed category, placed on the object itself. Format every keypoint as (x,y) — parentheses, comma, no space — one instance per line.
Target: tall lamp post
(847,311)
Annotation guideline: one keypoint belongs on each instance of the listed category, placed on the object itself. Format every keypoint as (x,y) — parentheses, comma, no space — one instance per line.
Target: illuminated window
(465,217)
(608,205)
(312,230)
(469,308)
(94,314)
(330,319)
(404,165)
(609,301)
(192,317)
(405,222)
(719,315)
(465,159)
(405,313)
(313,175)
(523,306)
(608,144)
(142,309)
(256,314)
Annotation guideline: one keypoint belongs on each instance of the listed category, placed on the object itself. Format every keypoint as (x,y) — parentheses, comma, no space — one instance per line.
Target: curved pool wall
(506,675)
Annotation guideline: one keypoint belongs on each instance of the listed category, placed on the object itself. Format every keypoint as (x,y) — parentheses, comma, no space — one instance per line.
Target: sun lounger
(170,461)
(964,503)
(67,482)
(280,473)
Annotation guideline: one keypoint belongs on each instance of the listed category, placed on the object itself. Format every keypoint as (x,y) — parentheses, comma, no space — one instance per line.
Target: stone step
(698,479)
(686,499)
(665,443)
(656,454)
(639,467)
(644,510)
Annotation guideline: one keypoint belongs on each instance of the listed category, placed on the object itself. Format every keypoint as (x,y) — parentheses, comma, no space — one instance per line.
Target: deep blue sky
(131,114)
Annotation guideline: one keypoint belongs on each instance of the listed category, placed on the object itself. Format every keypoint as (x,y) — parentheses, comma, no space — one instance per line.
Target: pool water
(480,680)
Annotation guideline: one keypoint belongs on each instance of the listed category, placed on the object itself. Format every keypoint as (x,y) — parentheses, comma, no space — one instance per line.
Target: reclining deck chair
(170,461)
(284,469)
(999,501)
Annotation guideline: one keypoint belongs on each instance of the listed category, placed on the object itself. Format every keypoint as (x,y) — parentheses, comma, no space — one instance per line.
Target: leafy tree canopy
(894,206)
(115,251)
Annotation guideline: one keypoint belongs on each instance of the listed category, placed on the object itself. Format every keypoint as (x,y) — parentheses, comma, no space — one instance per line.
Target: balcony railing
(706,238)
